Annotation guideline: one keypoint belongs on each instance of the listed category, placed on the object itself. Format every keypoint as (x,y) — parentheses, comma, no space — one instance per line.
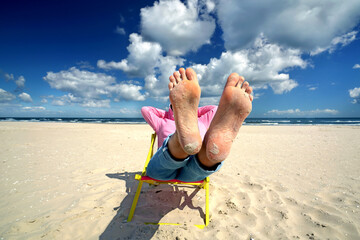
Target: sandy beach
(76,181)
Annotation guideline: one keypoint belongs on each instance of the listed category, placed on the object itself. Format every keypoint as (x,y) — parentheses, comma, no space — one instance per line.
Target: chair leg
(136,198)
(206,202)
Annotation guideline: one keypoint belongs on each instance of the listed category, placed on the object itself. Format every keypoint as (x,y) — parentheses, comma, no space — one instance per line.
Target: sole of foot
(184,97)
(234,106)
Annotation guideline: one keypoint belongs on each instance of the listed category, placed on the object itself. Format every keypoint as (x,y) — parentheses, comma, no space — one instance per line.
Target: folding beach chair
(143,178)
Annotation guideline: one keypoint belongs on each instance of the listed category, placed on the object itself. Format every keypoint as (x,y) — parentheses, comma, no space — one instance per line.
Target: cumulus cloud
(89,89)
(145,60)
(142,59)
(307,25)
(71,99)
(179,28)
(263,65)
(25,97)
(341,41)
(80,83)
(20,82)
(209,101)
(356,66)
(210,5)
(355,94)
(6,96)
(59,102)
(263,41)
(298,112)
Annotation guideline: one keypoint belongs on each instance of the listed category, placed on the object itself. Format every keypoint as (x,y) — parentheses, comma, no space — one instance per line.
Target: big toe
(190,74)
(234,80)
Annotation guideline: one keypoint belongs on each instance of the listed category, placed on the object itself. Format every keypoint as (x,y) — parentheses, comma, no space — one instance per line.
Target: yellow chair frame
(143,178)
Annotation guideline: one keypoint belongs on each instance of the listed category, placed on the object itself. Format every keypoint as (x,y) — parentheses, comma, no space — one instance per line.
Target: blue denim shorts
(163,166)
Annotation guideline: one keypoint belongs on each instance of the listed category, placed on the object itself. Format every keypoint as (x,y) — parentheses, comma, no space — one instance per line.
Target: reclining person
(189,153)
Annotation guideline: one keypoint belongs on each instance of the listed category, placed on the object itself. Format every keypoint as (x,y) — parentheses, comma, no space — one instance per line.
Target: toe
(183,74)
(172,80)
(232,80)
(245,85)
(251,97)
(249,90)
(177,77)
(240,82)
(190,74)
(171,86)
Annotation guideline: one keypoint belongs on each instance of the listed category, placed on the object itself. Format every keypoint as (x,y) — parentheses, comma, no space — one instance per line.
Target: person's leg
(234,106)
(174,153)
(184,97)
(163,165)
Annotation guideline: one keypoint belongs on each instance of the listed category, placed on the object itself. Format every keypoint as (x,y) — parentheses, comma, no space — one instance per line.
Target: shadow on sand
(154,203)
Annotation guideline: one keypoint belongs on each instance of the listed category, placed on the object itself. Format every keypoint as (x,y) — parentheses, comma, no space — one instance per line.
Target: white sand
(75,181)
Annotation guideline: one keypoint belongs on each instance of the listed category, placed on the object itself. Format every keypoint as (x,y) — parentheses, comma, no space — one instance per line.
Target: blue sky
(110,58)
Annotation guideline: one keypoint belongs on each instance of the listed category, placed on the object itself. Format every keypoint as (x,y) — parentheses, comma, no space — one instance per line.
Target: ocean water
(248,121)
(303,121)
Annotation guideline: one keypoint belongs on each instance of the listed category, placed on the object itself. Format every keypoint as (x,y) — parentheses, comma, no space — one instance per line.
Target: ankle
(205,161)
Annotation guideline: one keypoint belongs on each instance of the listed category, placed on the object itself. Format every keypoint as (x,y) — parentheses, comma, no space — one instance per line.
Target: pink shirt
(163,122)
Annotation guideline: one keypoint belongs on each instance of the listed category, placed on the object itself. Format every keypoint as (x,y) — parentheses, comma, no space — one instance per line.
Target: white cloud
(96,103)
(120,30)
(34,109)
(356,66)
(263,41)
(6,96)
(178,28)
(20,82)
(143,57)
(210,5)
(321,111)
(262,65)
(58,102)
(307,25)
(83,83)
(128,91)
(89,89)
(145,60)
(209,101)
(25,97)
(355,94)
(298,112)
(9,77)
(280,112)
(336,42)
(84,64)
(311,87)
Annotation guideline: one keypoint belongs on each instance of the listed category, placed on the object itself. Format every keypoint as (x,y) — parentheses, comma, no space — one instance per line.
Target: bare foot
(234,106)
(184,97)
